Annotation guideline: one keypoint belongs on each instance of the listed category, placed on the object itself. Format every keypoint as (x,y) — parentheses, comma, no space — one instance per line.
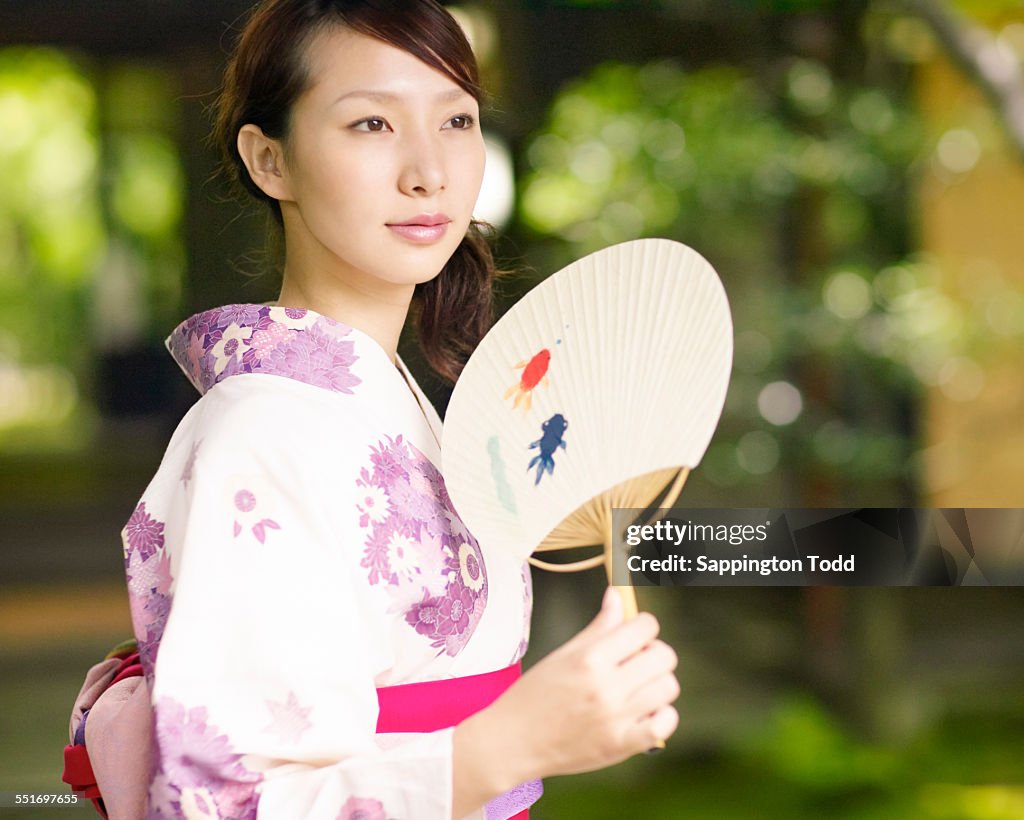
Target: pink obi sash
(439,704)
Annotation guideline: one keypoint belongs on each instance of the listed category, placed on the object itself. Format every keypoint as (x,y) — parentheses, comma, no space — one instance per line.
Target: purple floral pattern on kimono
(362,808)
(143,535)
(234,339)
(190,463)
(198,773)
(527,612)
(148,569)
(248,517)
(417,547)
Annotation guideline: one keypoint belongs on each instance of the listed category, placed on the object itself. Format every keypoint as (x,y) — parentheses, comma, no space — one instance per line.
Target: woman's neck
(379,315)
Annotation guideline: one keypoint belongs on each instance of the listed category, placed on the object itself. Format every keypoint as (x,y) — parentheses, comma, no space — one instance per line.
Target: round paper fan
(594,391)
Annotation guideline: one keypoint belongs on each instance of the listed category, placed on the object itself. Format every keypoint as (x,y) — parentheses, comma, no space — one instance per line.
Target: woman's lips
(425,228)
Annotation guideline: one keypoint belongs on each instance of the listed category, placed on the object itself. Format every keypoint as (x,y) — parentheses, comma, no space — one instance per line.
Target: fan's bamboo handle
(628,597)
(627,594)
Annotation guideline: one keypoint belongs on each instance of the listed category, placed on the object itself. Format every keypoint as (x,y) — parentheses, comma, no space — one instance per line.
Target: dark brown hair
(267,73)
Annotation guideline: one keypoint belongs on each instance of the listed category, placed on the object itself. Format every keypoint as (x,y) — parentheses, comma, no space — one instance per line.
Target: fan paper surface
(611,368)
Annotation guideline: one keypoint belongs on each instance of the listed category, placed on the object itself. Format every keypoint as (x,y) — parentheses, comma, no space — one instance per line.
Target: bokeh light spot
(847,295)
(780,403)
(958,150)
(758,452)
(810,87)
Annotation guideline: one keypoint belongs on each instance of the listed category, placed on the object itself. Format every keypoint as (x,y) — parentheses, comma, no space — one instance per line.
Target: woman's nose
(423,169)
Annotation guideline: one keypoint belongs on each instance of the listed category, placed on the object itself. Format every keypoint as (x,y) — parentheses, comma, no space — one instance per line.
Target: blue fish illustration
(551,440)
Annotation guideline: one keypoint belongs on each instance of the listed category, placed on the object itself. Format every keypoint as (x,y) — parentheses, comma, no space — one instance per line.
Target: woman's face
(382,165)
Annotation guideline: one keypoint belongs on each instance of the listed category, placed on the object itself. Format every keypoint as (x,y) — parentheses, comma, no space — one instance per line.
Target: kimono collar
(297,344)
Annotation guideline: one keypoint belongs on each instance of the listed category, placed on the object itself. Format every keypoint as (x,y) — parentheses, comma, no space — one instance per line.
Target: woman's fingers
(596,700)
(654,694)
(655,660)
(654,729)
(618,645)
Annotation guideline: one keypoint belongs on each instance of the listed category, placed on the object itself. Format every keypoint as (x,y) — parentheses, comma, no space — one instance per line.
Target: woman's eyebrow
(385,96)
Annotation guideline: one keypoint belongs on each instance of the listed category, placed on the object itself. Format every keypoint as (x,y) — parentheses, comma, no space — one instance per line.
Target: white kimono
(296,550)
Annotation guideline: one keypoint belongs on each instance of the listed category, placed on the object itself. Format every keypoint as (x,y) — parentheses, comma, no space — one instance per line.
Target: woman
(296,564)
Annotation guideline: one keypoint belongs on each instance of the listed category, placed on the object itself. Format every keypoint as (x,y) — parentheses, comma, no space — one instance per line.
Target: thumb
(608,617)
(611,614)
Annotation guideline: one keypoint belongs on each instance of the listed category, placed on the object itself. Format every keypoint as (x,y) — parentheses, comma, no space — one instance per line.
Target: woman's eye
(371,124)
(461,122)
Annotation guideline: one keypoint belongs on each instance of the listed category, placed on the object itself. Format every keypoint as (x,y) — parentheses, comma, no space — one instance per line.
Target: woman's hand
(600,698)
(97,679)
(603,696)
(118,735)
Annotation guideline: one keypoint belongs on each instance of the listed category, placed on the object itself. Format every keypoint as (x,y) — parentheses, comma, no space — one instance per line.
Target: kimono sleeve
(263,683)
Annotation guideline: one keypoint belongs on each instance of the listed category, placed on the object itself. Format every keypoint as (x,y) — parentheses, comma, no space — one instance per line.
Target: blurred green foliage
(799,762)
(635,150)
(90,207)
(797,183)
(147,183)
(51,238)
(49,203)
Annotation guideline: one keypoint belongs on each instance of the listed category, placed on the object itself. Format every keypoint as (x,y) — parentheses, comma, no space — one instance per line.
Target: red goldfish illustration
(534,372)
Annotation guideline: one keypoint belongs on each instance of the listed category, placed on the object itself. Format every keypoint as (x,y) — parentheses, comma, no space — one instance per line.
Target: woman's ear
(264,158)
